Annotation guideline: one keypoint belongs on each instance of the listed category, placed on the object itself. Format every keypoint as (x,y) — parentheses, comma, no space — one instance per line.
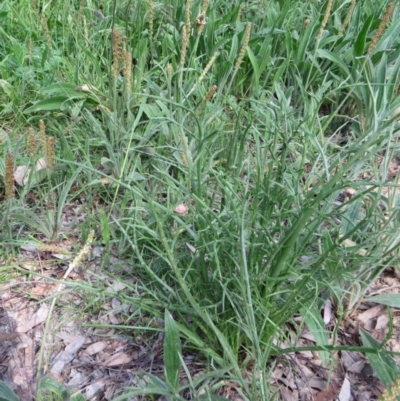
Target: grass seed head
(239,14)
(348,18)
(30,51)
(210,94)
(77,262)
(243,49)
(47,32)
(127,70)
(51,154)
(325,19)
(207,67)
(170,69)
(188,17)
(42,136)
(32,145)
(382,27)
(183,46)
(9,176)
(116,45)
(151,18)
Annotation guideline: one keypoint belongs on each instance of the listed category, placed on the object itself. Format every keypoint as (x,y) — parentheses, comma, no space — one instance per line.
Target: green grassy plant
(302,111)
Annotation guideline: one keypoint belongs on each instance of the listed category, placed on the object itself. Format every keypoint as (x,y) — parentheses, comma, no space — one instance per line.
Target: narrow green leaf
(172,349)
(105,228)
(334,58)
(359,46)
(383,365)
(44,56)
(316,325)
(6,394)
(392,300)
(49,385)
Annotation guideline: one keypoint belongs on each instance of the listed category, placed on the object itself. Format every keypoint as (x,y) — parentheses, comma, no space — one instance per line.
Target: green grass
(261,166)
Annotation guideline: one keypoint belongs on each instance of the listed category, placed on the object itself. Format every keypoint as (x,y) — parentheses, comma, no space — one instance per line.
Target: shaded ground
(100,362)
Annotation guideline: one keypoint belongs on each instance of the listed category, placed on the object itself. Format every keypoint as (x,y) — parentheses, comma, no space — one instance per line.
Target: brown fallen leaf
(119,358)
(96,347)
(44,289)
(8,336)
(39,317)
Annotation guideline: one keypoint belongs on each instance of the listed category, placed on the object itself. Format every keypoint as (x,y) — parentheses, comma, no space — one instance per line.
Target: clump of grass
(262,236)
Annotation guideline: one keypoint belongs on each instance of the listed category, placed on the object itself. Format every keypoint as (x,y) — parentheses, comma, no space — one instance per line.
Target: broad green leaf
(392,300)
(172,349)
(54,103)
(6,394)
(383,365)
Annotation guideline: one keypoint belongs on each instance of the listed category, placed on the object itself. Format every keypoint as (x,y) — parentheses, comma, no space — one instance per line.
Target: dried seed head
(381,28)
(243,49)
(116,45)
(128,70)
(51,154)
(200,22)
(9,176)
(210,94)
(32,145)
(42,136)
